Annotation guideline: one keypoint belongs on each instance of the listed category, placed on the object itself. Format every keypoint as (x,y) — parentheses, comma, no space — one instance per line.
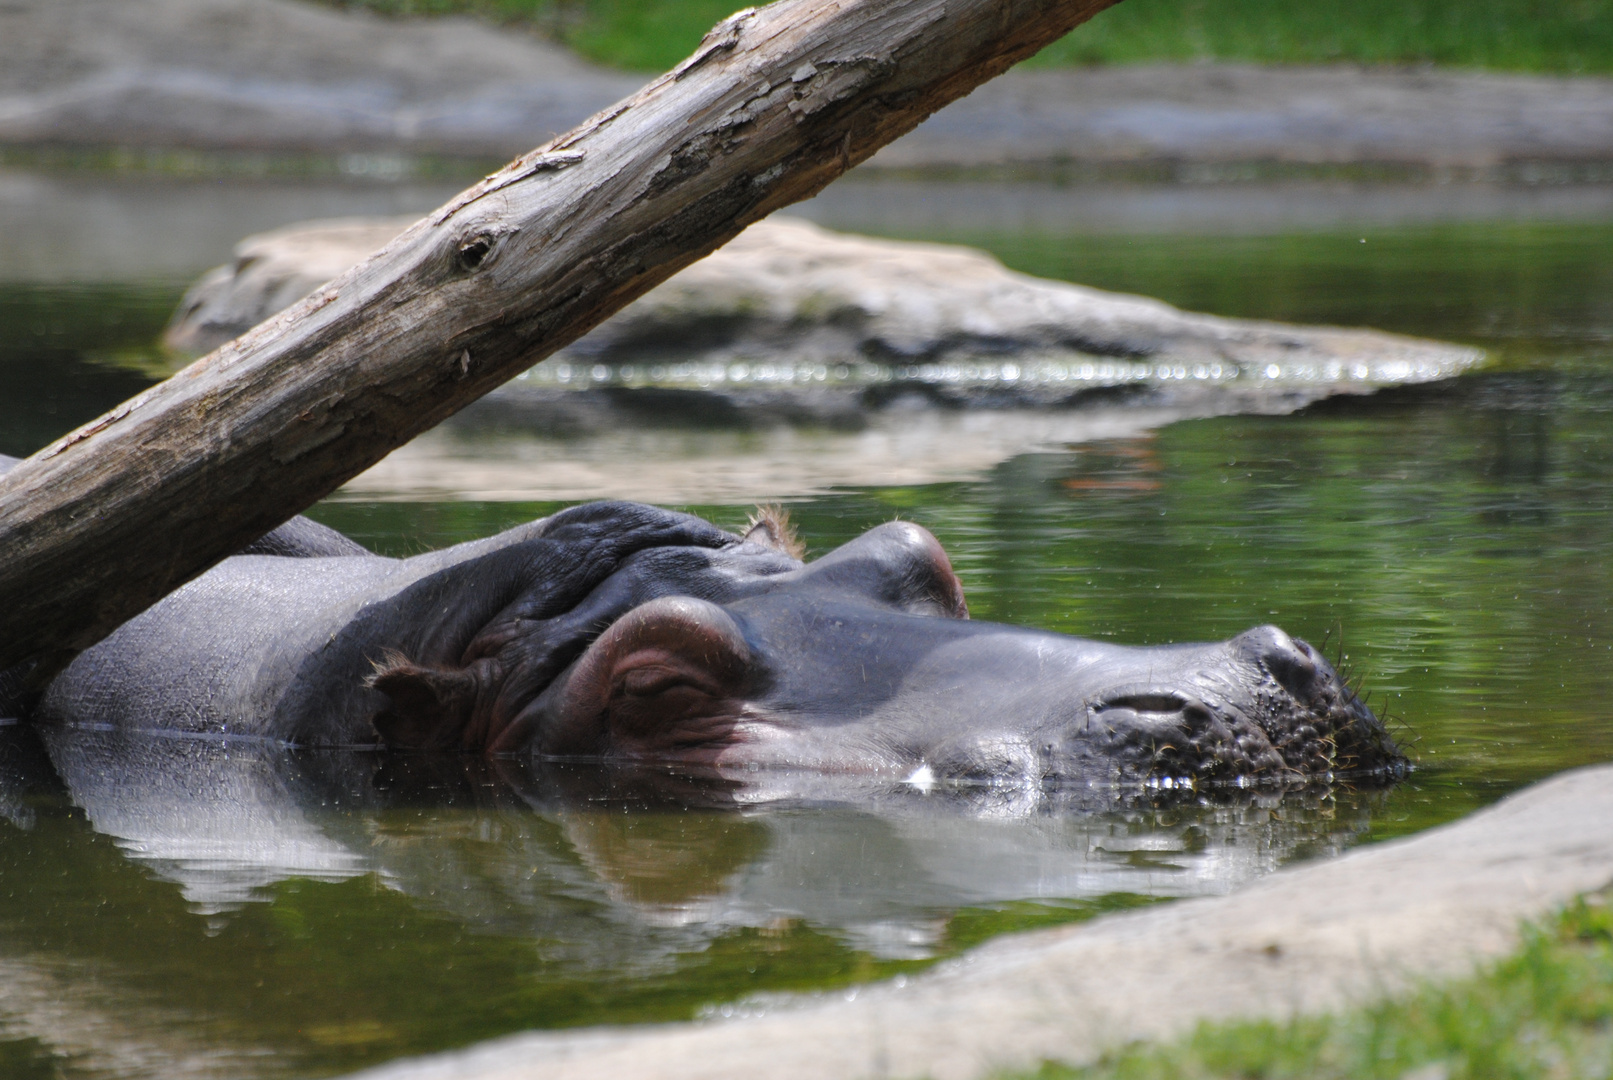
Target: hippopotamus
(621,632)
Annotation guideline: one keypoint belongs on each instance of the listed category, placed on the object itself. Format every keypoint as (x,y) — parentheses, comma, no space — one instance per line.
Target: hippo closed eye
(617,631)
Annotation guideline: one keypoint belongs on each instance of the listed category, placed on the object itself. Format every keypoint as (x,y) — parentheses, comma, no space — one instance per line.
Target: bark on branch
(773,105)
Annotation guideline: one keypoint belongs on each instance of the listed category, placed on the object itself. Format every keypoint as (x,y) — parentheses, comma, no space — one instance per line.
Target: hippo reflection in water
(623,632)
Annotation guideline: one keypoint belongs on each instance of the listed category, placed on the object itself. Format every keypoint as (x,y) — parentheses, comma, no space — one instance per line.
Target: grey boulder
(793,297)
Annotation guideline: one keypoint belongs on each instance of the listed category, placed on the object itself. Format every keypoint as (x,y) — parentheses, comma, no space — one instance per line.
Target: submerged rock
(787,303)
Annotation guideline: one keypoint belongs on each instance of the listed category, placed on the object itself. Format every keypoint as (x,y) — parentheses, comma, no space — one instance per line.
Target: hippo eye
(651,680)
(900,564)
(667,676)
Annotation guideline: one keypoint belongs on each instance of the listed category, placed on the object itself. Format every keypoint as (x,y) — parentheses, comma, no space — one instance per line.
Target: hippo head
(737,655)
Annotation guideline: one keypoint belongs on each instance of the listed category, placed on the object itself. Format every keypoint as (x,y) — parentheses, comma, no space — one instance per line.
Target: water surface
(220,908)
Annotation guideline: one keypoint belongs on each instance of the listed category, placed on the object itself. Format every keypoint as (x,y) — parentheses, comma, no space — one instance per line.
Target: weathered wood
(773,105)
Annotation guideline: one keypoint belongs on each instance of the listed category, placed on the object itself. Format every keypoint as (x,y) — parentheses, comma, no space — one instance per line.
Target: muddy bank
(281,76)
(1305,939)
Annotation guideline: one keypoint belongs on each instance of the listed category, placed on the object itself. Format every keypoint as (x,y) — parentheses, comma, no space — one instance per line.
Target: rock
(790,304)
(283,76)
(271,271)
(796,359)
(275,75)
(1187,117)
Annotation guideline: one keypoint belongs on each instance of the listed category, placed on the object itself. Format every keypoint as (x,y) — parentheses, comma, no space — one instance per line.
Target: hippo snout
(1262,707)
(1163,733)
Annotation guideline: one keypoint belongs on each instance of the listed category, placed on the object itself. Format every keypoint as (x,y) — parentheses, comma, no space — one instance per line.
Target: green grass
(638,35)
(1544,1013)
(1515,35)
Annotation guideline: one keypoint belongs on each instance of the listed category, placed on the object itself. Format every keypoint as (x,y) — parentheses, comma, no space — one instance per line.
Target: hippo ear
(665,681)
(898,563)
(770,527)
(429,708)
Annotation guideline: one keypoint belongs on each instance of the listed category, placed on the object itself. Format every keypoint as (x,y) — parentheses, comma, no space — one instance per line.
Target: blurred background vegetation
(1516,35)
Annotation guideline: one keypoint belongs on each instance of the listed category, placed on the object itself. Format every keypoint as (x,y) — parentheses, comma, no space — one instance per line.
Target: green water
(70,352)
(247,911)
(1457,541)
(1525,290)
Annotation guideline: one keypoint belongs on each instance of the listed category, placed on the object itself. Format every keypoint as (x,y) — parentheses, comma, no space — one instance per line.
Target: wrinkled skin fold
(622,632)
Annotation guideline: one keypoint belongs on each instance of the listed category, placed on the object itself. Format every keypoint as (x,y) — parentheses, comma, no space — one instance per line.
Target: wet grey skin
(624,633)
(866,661)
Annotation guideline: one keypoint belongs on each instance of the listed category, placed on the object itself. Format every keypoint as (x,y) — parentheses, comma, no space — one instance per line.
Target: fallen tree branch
(773,105)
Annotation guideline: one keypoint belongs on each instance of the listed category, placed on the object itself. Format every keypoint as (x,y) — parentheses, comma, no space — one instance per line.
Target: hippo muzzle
(1262,705)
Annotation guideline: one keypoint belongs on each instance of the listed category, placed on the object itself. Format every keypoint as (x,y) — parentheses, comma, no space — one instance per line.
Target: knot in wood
(473,252)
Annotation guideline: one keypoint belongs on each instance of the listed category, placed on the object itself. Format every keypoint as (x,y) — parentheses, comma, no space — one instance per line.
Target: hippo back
(285,648)
(304,538)
(299,538)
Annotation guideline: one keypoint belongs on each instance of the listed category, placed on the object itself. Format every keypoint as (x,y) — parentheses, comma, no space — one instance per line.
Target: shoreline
(258,79)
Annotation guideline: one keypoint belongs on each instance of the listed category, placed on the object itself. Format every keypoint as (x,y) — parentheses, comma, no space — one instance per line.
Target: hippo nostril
(1144,703)
(1295,672)
(1197,713)
(1291,662)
